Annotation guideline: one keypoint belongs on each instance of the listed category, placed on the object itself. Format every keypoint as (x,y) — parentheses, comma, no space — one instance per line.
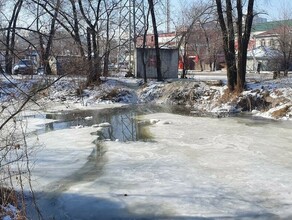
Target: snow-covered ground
(195,167)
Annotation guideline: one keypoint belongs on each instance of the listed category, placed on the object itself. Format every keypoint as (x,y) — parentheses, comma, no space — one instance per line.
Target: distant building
(265,58)
(267,40)
(269,33)
(196,52)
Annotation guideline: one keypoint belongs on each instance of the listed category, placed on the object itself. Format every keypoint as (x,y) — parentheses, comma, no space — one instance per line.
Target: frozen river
(176,167)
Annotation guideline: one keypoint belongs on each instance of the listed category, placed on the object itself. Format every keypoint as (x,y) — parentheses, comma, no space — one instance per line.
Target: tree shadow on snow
(82,207)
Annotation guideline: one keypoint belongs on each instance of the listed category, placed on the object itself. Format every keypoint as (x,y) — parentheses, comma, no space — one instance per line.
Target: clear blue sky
(273,8)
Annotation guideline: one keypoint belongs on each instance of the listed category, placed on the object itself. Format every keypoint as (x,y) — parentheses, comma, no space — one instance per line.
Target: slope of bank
(270,99)
(266,98)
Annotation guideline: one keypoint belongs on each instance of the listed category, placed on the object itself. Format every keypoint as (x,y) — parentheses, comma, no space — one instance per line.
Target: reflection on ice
(121,123)
(196,168)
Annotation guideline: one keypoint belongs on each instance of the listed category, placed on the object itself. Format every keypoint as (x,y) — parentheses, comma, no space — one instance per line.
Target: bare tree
(91,17)
(283,33)
(110,6)
(46,47)
(211,35)
(157,49)
(190,34)
(10,36)
(146,27)
(102,20)
(67,18)
(236,67)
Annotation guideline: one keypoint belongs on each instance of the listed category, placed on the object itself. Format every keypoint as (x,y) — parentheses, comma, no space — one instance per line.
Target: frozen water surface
(193,168)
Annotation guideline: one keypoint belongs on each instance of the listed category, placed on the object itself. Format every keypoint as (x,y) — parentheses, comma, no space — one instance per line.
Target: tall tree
(189,37)
(45,49)
(110,6)
(157,49)
(146,27)
(284,45)
(10,36)
(283,38)
(236,66)
(67,18)
(92,19)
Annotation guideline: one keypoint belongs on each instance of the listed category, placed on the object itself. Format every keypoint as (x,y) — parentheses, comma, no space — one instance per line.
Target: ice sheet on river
(194,168)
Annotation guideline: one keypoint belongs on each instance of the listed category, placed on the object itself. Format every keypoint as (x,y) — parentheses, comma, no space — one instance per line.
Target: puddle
(124,125)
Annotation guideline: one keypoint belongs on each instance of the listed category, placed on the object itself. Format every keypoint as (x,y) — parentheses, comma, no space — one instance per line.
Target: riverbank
(262,98)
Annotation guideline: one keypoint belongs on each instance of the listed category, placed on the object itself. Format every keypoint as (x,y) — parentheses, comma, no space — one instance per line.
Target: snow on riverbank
(264,97)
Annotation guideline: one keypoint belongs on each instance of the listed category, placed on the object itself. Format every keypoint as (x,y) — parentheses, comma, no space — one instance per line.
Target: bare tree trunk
(240,68)
(92,61)
(10,37)
(157,49)
(94,75)
(201,65)
(109,10)
(146,20)
(184,72)
(41,40)
(76,30)
(228,42)
(208,45)
(214,62)
(89,50)
(72,27)
(243,39)
(96,57)
(235,74)
(47,51)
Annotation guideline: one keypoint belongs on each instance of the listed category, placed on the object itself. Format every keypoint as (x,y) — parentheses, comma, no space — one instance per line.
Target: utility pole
(130,36)
(134,35)
(131,24)
(134,22)
(167,16)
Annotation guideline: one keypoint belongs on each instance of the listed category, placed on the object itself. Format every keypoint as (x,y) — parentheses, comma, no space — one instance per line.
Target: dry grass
(8,196)
(281,112)
(111,94)
(228,97)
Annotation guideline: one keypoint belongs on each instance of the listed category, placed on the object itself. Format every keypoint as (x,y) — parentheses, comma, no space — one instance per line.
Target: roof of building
(258,27)
(263,52)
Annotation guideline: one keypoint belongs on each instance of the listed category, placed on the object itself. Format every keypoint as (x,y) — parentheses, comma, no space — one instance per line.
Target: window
(263,42)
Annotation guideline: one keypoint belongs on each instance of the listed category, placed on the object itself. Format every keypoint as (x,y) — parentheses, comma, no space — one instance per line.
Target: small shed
(146,58)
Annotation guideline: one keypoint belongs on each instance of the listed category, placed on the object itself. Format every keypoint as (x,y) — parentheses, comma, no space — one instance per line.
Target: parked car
(23,67)
(111,66)
(40,71)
